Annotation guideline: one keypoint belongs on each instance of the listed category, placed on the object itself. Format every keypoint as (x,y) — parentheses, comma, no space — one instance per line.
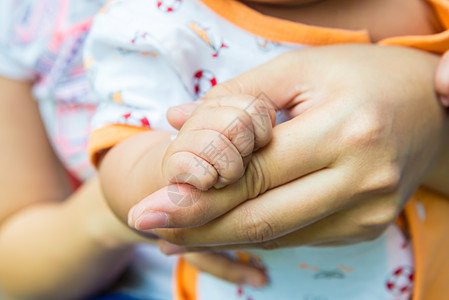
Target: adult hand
(367,130)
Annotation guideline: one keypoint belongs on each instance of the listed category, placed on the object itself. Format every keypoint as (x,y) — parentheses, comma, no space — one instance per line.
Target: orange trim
(108,136)
(427,215)
(441,8)
(278,30)
(437,43)
(185,281)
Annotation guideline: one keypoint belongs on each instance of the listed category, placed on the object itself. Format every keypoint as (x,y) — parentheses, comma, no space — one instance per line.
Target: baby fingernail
(151,220)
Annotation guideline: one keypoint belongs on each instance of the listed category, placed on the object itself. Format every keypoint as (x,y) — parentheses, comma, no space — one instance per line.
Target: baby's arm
(131,170)
(216,142)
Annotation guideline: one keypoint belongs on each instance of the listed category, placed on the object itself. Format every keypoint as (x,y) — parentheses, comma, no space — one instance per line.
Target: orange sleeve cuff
(106,137)
(185,281)
(437,43)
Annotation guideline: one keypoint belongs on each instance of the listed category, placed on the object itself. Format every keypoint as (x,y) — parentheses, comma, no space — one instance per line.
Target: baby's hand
(216,142)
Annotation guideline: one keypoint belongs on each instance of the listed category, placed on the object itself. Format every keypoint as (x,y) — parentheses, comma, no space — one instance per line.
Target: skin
(37,209)
(320,13)
(380,18)
(40,204)
(211,149)
(357,15)
(387,135)
(51,237)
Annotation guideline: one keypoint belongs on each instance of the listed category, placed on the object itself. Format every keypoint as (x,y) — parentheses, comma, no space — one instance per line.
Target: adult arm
(50,248)
(368,132)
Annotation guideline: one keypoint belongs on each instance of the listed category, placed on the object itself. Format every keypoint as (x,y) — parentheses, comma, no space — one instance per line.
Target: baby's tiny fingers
(205,157)
(263,118)
(186,167)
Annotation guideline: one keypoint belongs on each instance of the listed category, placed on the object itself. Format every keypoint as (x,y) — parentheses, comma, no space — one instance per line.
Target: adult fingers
(227,268)
(363,222)
(302,202)
(442,79)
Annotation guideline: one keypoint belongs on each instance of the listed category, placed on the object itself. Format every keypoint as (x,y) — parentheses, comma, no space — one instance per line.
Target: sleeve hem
(106,137)
(437,43)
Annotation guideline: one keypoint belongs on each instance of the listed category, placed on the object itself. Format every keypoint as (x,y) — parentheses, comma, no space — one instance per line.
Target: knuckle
(178,163)
(262,113)
(365,128)
(256,182)
(385,179)
(254,228)
(378,219)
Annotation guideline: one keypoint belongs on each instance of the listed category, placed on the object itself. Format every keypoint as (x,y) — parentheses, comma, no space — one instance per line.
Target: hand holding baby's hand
(216,142)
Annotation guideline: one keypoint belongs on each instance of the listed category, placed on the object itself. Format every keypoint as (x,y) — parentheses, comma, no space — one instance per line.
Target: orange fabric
(108,136)
(441,8)
(278,30)
(427,215)
(185,281)
(437,43)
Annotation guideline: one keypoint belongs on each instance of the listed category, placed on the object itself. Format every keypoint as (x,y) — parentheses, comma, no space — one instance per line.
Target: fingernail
(134,213)
(151,220)
(445,101)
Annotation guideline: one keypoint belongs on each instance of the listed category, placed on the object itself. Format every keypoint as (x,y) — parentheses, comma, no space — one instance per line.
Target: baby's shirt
(145,56)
